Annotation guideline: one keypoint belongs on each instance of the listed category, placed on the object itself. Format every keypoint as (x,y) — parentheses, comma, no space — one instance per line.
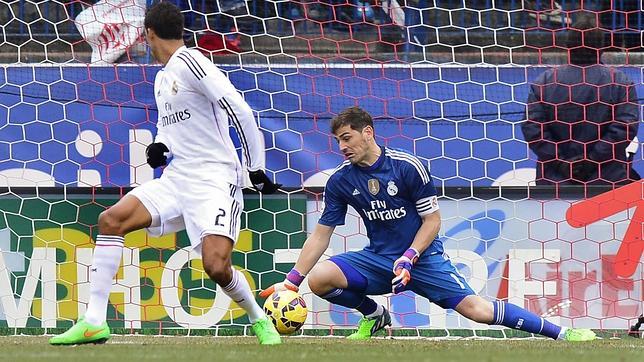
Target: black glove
(155,154)
(262,183)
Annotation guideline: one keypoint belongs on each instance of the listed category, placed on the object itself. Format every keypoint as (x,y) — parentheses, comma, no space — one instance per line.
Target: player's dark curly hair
(165,19)
(355,117)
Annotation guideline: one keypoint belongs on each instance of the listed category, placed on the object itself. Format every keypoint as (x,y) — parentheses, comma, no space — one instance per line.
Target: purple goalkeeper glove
(292,282)
(402,270)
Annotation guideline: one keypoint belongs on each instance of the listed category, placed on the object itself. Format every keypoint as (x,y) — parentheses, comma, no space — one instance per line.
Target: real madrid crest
(392,189)
(175,88)
(374,186)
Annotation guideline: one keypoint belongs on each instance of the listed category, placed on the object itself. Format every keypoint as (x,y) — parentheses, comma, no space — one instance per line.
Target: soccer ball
(287,310)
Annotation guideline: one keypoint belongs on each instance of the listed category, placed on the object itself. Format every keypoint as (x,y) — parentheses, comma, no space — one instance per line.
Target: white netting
(447,80)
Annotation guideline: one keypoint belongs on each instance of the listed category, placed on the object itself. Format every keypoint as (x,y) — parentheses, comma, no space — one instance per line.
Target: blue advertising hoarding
(64,121)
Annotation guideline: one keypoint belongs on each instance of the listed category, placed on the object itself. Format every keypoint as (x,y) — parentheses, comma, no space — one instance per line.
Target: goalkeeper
(199,191)
(395,196)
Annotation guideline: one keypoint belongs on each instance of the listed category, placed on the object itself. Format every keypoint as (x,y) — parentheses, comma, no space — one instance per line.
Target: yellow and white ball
(287,310)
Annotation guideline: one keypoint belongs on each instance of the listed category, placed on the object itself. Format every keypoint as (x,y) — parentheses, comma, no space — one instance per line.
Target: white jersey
(196,103)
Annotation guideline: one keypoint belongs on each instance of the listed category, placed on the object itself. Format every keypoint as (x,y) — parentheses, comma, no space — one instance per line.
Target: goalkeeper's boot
(369,327)
(82,332)
(579,335)
(266,332)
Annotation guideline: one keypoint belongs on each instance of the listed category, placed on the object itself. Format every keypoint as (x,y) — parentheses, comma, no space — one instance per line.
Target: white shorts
(200,209)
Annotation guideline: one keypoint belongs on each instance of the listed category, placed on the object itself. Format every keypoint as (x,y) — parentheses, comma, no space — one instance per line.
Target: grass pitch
(147,348)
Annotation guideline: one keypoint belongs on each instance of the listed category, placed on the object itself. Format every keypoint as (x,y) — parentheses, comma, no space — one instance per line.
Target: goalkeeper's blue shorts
(433,276)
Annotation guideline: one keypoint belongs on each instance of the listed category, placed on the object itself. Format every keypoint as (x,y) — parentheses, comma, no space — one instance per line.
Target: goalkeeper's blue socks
(515,317)
(355,300)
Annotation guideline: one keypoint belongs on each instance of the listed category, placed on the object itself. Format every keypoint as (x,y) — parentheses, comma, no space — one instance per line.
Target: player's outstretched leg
(82,332)
(515,317)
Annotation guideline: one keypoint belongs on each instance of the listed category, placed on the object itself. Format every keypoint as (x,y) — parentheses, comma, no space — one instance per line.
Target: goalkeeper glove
(262,183)
(292,282)
(402,270)
(155,154)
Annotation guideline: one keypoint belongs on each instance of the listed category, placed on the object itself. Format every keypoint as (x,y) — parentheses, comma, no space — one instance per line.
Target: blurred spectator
(549,11)
(112,29)
(219,35)
(582,117)
(354,14)
(611,14)
(393,19)
(342,11)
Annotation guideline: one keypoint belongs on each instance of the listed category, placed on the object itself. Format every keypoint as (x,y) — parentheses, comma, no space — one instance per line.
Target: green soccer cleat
(369,327)
(266,332)
(579,335)
(82,332)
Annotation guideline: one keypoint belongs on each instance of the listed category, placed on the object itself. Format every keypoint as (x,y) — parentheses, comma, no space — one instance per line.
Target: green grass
(148,348)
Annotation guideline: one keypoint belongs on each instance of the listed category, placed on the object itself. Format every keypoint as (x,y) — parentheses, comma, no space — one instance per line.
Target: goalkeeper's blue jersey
(390,196)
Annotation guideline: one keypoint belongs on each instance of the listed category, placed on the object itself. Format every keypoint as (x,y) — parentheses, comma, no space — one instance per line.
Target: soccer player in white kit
(200,189)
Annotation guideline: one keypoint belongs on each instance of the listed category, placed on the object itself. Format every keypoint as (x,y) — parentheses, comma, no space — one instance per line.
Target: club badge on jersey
(392,189)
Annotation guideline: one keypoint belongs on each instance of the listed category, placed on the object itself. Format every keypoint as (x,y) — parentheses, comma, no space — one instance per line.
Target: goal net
(534,154)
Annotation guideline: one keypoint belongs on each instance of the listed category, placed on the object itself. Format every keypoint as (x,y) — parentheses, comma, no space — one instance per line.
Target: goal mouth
(458,84)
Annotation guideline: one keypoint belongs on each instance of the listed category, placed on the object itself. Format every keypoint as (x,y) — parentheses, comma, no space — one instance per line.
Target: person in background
(583,117)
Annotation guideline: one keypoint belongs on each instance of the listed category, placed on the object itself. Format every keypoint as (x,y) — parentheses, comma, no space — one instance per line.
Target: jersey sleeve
(421,186)
(220,91)
(160,135)
(250,137)
(161,138)
(335,208)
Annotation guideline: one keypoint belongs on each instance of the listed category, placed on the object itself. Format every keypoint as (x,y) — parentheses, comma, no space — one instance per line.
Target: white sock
(379,310)
(107,258)
(239,291)
(562,333)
